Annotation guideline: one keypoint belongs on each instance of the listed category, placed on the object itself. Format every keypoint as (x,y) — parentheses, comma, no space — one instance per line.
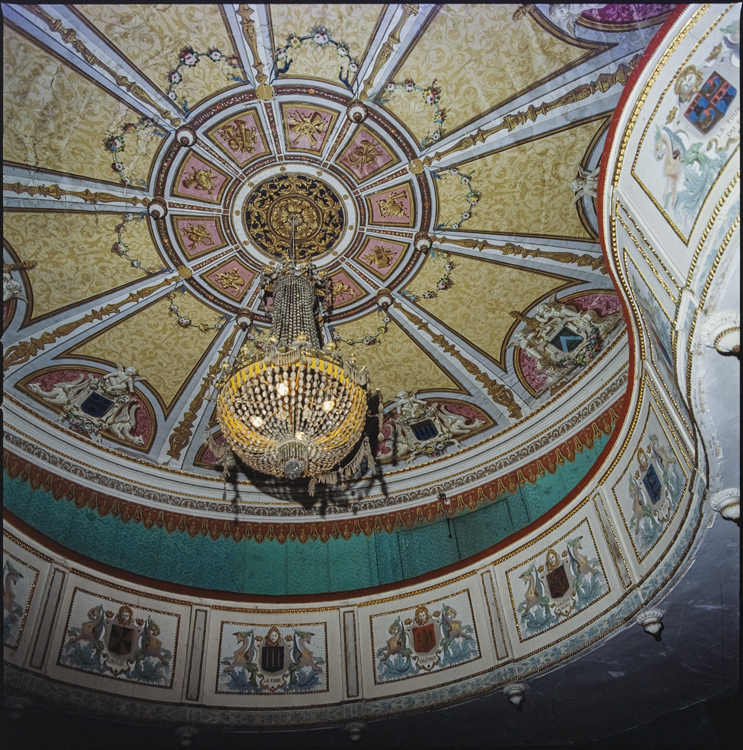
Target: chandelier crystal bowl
(295,408)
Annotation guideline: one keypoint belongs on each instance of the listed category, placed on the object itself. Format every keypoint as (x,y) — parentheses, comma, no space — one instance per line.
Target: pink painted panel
(232,279)
(198,235)
(306,128)
(344,289)
(364,155)
(627,13)
(392,206)
(381,254)
(241,138)
(200,180)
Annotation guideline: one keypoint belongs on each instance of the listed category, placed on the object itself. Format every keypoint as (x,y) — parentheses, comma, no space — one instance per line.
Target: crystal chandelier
(296,408)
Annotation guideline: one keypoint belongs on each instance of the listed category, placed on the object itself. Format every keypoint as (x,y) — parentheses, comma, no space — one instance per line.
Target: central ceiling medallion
(307,202)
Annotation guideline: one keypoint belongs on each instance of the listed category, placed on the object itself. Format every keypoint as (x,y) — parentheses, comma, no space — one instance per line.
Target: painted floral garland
(185,322)
(472,196)
(121,249)
(369,339)
(189,58)
(115,143)
(444,282)
(432,95)
(320,36)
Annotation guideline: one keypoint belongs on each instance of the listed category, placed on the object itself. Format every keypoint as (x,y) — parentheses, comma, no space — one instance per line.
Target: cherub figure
(586,183)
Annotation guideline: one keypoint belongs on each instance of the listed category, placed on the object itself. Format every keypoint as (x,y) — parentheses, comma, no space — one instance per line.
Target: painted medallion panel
(120,640)
(651,488)
(201,180)
(380,255)
(392,206)
(695,127)
(199,235)
(232,278)
(19,584)
(272,660)
(556,584)
(424,638)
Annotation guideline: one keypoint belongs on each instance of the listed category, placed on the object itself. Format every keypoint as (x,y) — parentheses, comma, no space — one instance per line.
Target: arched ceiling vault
(483,130)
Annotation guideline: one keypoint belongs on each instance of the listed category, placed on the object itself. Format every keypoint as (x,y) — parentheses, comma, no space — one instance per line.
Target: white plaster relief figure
(585,184)
(95,404)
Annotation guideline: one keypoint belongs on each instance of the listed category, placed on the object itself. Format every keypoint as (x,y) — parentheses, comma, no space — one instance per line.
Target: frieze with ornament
(185,322)
(96,405)
(559,583)
(119,641)
(121,249)
(424,639)
(273,660)
(432,97)
(445,282)
(472,197)
(174,520)
(19,584)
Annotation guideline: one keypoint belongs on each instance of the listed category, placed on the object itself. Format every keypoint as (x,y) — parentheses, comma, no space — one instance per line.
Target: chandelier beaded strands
(297,407)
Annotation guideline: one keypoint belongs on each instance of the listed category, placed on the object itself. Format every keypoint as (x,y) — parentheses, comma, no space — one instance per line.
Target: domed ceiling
(154,156)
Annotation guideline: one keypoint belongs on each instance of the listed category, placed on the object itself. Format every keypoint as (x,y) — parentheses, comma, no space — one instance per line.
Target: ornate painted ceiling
(153,155)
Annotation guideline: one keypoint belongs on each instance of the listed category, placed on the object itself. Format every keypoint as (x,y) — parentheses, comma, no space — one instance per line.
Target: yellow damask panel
(57,119)
(396,362)
(167,366)
(152,36)
(525,189)
(479,58)
(74,254)
(478,304)
(353,26)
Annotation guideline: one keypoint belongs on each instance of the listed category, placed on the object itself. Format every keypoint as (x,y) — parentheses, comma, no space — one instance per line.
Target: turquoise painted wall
(270,568)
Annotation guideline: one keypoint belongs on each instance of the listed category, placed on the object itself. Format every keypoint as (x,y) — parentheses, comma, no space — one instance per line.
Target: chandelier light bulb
(282,389)
(256,421)
(328,405)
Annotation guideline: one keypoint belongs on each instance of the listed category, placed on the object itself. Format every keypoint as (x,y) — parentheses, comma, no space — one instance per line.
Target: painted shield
(272,658)
(557,582)
(121,640)
(424,638)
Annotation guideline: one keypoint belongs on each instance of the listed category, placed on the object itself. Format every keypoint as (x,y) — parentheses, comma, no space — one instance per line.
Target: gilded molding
(497,391)
(22,351)
(595,262)
(55,191)
(245,13)
(70,37)
(408,9)
(181,435)
(510,122)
